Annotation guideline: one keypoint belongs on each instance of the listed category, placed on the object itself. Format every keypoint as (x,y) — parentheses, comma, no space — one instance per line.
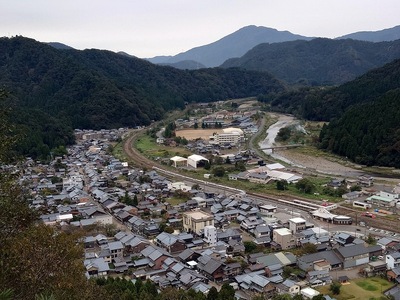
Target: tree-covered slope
(364,115)
(319,61)
(367,133)
(326,103)
(101,89)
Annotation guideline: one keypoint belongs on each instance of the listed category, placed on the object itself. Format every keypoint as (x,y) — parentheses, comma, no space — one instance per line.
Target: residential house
(393,274)
(343,238)
(262,231)
(288,287)
(136,245)
(116,249)
(313,261)
(170,243)
(351,195)
(267,210)
(319,277)
(356,255)
(297,224)
(256,283)
(393,260)
(155,256)
(250,223)
(96,267)
(232,269)
(229,234)
(212,268)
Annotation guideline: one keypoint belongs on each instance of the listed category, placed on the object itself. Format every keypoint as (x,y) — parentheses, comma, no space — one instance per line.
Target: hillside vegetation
(364,115)
(101,89)
(319,61)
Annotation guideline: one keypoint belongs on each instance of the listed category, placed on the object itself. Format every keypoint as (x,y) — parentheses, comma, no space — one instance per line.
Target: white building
(309,293)
(210,235)
(228,136)
(178,161)
(297,224)
(174,186)
(196,160)
(392,260)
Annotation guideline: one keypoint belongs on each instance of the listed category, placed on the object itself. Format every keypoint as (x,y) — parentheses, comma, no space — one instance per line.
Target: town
(145,224)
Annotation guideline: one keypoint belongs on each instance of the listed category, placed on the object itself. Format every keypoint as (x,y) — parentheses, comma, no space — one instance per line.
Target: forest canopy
(54,90)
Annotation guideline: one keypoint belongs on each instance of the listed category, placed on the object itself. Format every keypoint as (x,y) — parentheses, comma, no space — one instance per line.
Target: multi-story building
(228,136)
(284,238)
(210,235)
(195,221)
(297,224)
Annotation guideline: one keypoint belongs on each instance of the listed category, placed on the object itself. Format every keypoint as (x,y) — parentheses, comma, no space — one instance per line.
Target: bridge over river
(283,147)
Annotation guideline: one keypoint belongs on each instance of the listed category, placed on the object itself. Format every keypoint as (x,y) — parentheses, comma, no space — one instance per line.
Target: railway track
(139,160)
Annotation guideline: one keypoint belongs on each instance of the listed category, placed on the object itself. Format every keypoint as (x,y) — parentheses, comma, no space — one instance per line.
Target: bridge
(284,147)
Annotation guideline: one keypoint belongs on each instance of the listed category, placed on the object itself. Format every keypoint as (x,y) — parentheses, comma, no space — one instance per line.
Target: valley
(278,167)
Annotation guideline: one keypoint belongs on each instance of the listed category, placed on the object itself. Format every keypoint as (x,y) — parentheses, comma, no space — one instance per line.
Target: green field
(147,145)
(362,288)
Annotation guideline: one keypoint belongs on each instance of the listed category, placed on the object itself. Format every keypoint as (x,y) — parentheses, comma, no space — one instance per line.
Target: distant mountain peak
(235,44)
(59,46)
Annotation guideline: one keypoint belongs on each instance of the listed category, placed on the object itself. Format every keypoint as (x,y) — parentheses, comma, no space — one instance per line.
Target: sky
(147,28)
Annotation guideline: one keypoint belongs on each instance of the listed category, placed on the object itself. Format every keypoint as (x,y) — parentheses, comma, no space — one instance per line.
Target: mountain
(102,89)
(325,104)
(367,134)
(232,45)
(185,65)
(364,115)
(389,34)
(59,46)
(319,61)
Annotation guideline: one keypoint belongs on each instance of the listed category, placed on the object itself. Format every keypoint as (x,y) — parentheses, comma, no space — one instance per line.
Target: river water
(272,132)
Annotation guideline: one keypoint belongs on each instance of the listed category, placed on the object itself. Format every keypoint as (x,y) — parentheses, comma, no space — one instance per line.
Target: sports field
(192,134)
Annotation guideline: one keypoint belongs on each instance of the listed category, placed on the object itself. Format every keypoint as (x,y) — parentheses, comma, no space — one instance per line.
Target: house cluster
(61,189)
(388,198)
(208,116)
(204,242)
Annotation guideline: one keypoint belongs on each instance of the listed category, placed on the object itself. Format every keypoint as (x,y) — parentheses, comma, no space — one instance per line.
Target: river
(272,132)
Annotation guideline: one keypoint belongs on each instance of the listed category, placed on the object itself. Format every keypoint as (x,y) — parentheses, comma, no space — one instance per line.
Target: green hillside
(101,89)
(367,133)
(364,115)
(319,61)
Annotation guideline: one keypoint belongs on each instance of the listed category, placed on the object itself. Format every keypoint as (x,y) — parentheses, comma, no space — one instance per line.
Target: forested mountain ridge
(319,61)
(367,133)
(101,89)
(323,104)
(388,34)
(364,115)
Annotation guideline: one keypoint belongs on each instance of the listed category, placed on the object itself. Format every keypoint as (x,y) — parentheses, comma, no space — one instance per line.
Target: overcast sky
(147,28)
